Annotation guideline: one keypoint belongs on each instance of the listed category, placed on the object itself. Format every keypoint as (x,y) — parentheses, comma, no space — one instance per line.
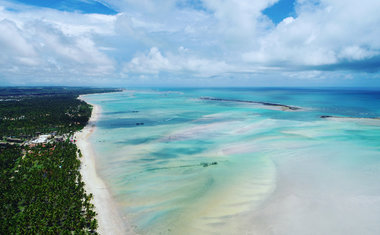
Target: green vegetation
(43,192)
(12,92)
(26,111)
(41,187)
(28,116)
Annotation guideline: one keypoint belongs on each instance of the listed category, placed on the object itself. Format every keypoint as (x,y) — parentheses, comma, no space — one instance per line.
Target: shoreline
(108,217)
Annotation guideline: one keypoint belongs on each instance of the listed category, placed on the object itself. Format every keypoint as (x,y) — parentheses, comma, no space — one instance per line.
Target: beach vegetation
(42,191)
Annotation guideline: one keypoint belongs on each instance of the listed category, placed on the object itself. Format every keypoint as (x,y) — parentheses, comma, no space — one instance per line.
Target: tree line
(29,116)
(42,191)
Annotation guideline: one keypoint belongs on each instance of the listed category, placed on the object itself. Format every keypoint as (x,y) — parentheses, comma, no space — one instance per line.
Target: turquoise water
(179,164)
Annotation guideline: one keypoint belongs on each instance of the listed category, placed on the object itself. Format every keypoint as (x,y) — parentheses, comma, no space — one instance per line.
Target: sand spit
(372,121)
(281,107)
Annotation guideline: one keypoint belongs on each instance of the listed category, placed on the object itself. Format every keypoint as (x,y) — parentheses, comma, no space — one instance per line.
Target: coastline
(108,217)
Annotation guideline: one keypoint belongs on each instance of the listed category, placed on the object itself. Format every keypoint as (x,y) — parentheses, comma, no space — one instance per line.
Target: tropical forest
(42,191)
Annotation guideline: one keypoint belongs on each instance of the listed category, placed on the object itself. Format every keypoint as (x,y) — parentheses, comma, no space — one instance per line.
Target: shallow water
(178,164)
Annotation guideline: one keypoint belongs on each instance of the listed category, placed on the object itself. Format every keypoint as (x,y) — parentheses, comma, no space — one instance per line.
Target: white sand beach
(109,218)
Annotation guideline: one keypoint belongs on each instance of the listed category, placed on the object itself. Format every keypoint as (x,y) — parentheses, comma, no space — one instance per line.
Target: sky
(195,43)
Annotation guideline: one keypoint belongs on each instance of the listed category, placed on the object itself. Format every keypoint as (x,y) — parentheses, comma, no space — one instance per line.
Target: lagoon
(195,161)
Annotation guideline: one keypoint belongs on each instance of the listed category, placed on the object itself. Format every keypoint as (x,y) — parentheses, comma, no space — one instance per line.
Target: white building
(41,139)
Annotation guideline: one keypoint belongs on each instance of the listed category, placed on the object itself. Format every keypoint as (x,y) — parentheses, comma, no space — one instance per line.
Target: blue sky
(190,43)
(280,10)
(72,6)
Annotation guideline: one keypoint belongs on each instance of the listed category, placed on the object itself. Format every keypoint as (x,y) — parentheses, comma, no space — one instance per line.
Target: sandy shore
(109,218)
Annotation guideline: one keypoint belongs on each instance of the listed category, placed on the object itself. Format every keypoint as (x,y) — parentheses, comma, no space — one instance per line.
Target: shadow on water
(138,141)
(201,164)
(175,152)
(120,112)
(141,122)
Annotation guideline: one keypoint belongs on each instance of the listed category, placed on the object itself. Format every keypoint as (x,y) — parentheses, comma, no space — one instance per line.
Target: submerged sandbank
(276,172)
(275,106)
(109,219)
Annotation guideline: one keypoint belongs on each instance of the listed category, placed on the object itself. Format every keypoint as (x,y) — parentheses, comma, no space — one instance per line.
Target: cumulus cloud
(32,44)
(328,33)
(209,38)
(154,62)
(322,32)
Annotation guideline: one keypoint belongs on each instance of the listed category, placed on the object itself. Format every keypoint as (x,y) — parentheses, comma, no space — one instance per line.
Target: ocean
(242,161)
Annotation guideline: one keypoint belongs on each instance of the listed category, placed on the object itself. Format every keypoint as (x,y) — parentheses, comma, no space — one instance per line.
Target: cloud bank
(219,40)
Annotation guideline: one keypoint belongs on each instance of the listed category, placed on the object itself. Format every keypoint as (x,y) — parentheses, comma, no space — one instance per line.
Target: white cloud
(36,42)
(331,32)
(14,44)
(154,38)
(356,53)
(154,62)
